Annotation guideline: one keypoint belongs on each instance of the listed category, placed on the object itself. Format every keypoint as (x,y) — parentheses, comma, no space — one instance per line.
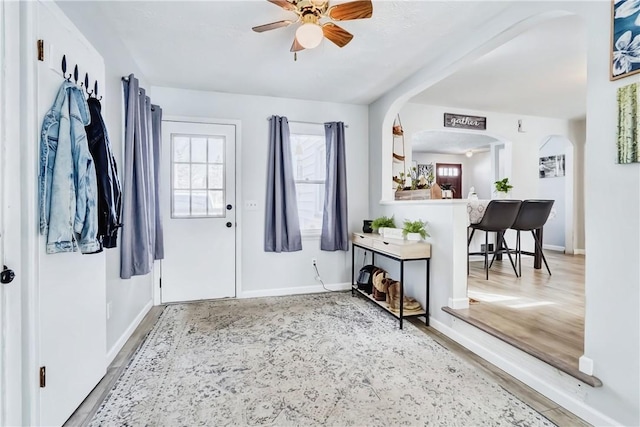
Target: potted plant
(382,222)
(447,190)
(414,230)
(503,187)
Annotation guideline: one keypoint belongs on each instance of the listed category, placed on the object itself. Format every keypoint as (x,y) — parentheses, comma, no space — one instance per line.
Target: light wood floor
(545,312)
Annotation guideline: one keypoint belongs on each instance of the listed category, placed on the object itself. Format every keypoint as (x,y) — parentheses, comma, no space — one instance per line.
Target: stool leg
(486,254)
(503,241)
(519,253)
(541,253)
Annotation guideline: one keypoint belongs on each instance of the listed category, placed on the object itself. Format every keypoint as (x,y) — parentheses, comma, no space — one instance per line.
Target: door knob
(7,275)
(229,207)
(229,225)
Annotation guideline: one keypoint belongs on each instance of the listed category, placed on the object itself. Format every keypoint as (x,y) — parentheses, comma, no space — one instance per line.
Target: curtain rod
(307,123)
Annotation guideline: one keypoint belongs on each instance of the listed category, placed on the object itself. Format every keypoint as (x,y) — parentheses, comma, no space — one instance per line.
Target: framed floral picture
(625,38)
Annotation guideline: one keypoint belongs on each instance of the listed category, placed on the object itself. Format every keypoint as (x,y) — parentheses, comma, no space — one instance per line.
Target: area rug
(322,359)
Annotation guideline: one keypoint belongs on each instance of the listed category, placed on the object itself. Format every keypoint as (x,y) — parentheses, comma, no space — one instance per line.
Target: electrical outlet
(108,310)
(314,262)
(251,205)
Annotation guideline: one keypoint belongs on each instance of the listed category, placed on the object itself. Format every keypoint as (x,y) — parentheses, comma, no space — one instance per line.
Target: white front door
(199,211)
(72,286)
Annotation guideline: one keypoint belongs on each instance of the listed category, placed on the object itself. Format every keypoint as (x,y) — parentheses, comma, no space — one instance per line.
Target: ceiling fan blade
(336,34)
(296,47)
(271,26)
(360,9)
(284,4)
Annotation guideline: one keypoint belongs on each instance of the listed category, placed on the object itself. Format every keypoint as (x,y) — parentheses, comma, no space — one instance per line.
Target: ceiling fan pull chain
(295,56)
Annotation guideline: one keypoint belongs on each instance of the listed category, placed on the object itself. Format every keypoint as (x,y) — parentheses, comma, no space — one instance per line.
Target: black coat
(109,189)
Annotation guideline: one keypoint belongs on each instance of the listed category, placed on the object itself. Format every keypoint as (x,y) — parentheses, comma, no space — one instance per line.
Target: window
(308,151)
(197,181)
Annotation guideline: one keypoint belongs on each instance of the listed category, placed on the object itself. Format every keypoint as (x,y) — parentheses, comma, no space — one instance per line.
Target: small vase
(366,226)
(501,195)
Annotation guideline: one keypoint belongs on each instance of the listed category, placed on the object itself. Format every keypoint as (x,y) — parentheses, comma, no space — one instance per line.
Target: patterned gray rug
(322,359)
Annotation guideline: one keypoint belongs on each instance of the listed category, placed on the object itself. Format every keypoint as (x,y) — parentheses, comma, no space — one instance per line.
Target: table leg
(401,291)
(537,257)
(426,308)
(498,239)
(353,255)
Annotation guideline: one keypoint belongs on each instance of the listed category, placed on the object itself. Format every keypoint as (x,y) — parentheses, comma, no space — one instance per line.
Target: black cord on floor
(315,267)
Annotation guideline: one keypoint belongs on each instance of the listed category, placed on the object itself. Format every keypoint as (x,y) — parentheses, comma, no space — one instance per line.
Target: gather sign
(464,122)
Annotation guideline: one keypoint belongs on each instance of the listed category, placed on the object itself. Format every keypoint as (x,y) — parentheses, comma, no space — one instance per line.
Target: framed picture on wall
(552,166)
(625,38)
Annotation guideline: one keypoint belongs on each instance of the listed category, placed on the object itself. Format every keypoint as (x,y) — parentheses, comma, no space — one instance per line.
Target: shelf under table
(385,306)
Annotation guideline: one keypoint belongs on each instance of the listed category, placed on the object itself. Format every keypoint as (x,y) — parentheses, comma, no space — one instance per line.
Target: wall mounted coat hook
(86,85)
(75,73)
(64,69)
(95,91)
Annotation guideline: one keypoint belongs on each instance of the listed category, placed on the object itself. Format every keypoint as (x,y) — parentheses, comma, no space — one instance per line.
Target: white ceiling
(450,142)
(541,72)
(209,45)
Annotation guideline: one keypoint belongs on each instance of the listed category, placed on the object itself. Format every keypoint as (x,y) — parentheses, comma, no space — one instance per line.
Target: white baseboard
(553,248)
(585,365)
(579,252)
(458,303)
(111,354)
(295,291)
(563,389)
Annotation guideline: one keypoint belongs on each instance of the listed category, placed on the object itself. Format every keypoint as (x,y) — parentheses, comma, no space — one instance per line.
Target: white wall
(612,324)
(554,189)
(129,299)
(578,138)
(271,273)
(478,175)
(524,147)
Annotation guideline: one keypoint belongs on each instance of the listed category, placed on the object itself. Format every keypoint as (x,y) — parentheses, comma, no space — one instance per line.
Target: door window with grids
(197,182)
(308,150)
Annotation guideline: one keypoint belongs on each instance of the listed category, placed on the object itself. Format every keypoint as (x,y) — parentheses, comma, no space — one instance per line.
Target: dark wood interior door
(450,173)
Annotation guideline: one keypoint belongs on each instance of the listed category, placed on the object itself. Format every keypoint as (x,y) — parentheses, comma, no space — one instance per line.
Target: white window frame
(315,130)
(190,162)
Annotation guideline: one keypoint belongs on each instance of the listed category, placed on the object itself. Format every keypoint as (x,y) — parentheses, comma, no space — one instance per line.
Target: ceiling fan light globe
(309,35)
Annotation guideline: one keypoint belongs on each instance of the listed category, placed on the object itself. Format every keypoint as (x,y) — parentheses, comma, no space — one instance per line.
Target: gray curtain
(156,123)
(140,193)
(335,233)
(282,226)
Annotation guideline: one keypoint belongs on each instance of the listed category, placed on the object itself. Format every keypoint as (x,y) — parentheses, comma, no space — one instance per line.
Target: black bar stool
(498,217)
(533,215)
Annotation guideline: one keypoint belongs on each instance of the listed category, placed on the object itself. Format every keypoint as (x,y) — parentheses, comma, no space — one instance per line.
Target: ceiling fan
(310,13)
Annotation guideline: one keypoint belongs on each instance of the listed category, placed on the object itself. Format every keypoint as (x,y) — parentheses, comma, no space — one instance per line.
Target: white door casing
(200,245)
(71,286)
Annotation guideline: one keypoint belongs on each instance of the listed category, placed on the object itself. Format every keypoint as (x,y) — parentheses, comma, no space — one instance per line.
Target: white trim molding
(563,389)
(296,290)
(113,352)
(458,303)
(585,365)
(579,252)
(553,248)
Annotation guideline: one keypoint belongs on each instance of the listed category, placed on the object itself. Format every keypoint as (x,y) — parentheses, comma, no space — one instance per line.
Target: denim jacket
(68,188)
